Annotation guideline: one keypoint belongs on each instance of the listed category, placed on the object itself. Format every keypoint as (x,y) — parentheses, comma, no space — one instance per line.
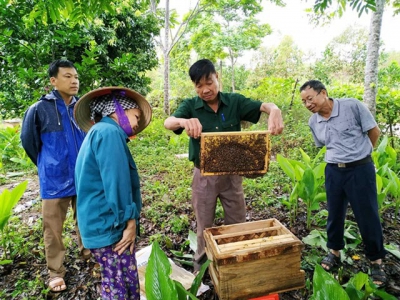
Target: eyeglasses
(310,100)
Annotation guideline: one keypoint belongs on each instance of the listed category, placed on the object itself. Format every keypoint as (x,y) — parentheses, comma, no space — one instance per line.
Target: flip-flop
(331,262)
(57,284)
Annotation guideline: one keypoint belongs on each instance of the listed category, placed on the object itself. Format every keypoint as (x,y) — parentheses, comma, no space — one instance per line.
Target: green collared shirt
(232,109)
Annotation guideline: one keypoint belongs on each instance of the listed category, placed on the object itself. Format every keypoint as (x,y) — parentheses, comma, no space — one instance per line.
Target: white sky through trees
(292,20)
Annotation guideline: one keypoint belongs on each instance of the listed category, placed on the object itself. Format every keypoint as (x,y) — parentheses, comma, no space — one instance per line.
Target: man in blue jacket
(52,139)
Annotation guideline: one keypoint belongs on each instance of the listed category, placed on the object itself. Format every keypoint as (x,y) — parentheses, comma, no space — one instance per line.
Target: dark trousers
(357,186)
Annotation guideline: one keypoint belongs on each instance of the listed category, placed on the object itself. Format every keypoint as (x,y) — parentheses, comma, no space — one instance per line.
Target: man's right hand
(192,127)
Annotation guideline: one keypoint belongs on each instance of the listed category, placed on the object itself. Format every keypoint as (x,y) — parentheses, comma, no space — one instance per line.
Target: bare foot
(57,284)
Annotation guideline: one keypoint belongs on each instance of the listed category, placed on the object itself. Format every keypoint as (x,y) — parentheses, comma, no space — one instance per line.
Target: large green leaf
(8,200)
(353,292)
(183,294)
(359,280)
(316,238)
(319,170)
(325,287)
(309,184)
(158,284)
(305,156)
(286,166)
(320,153)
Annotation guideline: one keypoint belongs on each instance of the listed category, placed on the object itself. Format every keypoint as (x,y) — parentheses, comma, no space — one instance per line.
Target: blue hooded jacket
(52,139)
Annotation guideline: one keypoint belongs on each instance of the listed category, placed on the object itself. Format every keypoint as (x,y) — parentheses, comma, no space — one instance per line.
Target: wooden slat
(254,254)
(256,243)
(235,133)
(243,227)
(251,231)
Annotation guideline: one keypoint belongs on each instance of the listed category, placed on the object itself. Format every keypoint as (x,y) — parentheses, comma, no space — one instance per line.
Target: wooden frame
(235,152)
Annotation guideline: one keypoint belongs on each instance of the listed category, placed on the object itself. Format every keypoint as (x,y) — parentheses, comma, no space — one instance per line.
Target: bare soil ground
(83,279)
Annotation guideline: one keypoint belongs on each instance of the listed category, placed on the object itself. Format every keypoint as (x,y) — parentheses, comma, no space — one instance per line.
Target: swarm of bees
(241,153)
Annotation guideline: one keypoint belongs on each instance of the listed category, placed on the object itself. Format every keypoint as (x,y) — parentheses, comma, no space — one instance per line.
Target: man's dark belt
(363,161)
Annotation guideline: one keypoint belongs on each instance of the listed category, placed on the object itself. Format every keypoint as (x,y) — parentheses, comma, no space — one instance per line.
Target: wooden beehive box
(253,259)
(236,152)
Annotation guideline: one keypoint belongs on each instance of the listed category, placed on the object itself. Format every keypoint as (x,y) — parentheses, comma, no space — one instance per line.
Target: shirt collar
(334,113)
(58,96)
(200,103)
(109,120)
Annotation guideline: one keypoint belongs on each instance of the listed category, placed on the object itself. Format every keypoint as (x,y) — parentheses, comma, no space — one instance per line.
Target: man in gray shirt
(348,130)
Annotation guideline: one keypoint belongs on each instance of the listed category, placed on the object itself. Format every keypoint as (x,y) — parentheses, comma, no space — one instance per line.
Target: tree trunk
(233,71)
(166,60)
(371,67)
(220,76)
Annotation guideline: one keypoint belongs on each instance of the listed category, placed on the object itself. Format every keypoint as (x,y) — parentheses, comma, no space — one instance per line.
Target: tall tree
(115,49)
(169,40)
(227,30)
(371,67)
(321,7)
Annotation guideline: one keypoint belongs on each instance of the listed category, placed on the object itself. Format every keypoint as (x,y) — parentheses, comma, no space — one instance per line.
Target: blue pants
(357,186)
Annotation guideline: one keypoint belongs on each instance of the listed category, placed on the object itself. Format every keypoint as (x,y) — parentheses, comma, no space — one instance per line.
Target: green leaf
(305,156)
(393,249)
(384,295)
(359,280)
(197,281)
(286,166)
(326,287)
(5,262)
(353,292)
(180,254)
(158,284)
(316,238)
(319,170)
(309,184)
(192,240)
(8,200)
(320,197)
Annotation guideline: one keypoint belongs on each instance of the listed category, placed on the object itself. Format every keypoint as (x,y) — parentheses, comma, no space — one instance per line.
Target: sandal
(57,284)
(331,261)
(378,275)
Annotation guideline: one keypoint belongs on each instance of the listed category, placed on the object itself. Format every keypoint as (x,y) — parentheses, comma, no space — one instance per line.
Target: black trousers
(357,186)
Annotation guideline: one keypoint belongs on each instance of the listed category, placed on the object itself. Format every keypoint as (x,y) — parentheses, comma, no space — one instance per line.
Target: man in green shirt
(214,111)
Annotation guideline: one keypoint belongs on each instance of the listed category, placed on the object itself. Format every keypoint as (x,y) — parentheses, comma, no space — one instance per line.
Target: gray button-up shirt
(345,132)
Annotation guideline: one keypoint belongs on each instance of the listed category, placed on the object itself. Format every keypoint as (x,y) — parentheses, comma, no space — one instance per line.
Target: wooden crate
(253,259)
(236,152)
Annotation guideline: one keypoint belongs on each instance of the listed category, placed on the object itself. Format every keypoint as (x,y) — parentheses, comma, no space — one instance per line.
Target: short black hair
(59,63)
(316,85)
(200,69)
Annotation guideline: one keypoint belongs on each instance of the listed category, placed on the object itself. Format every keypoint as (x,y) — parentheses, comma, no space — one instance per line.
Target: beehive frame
(236,152)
